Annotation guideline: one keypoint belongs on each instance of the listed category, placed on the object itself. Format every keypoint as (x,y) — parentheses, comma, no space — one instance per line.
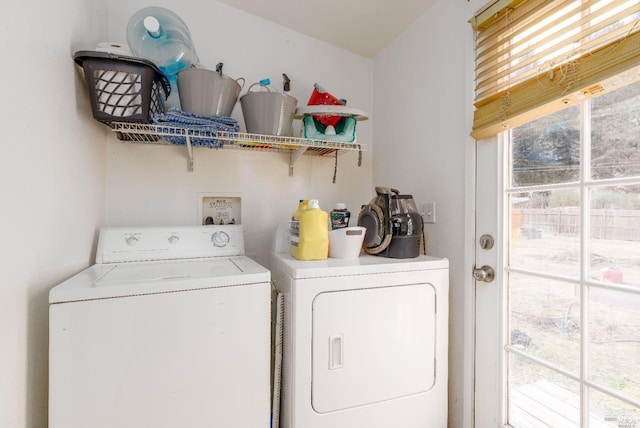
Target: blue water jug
(159,35)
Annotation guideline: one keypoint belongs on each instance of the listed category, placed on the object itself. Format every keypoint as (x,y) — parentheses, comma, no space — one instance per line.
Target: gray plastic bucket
(207,92)
(268,113)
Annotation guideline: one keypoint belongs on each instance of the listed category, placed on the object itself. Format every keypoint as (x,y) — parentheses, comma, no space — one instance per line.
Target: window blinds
(534,57)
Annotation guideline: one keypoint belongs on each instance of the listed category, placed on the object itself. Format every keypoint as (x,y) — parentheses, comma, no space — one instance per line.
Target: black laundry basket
(123,88)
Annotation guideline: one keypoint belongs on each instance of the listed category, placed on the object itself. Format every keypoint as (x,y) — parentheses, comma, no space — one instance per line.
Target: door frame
(468,417)
(492,410)
(468,397)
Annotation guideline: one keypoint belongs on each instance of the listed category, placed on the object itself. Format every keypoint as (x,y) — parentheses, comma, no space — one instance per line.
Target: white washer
(365,342)
(170,328)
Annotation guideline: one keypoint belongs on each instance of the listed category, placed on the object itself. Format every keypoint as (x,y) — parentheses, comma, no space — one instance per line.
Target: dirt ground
(545,315)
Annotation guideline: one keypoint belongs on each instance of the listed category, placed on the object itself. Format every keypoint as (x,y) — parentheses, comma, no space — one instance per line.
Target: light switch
(428,211)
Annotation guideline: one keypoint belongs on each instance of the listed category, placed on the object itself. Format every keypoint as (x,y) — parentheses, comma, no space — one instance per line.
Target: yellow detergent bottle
(313,228)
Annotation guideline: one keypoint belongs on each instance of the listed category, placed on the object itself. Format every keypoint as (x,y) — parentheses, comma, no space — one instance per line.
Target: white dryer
(170,328)
(365,342)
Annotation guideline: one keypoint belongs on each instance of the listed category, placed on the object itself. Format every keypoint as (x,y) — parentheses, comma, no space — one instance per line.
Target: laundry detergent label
(294,232)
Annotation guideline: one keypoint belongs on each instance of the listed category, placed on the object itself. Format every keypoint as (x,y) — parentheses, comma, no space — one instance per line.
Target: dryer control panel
(134,244)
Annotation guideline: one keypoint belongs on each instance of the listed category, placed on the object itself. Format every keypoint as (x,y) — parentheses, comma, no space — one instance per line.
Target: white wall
(52,181)
(423,102)
(151,185)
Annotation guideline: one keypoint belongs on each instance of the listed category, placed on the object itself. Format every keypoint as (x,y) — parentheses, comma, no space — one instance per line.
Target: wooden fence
(605,223)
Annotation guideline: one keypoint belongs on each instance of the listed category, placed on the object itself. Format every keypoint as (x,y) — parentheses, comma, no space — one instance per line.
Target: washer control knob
(173,239)
(131,241)
(220,239)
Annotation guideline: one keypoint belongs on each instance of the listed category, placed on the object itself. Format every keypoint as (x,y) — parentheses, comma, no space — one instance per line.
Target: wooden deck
(545,404)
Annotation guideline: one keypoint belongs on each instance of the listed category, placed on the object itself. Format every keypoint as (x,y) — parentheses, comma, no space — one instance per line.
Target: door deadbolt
(484,274)
(486,242)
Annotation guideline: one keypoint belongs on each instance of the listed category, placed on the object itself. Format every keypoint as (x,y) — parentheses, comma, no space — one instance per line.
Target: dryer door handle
(336,352)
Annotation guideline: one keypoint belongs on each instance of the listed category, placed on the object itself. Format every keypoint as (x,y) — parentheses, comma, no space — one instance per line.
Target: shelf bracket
(189,152)
(293,157)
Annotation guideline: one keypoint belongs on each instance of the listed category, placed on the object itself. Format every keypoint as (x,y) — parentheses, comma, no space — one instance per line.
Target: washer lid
(104,281)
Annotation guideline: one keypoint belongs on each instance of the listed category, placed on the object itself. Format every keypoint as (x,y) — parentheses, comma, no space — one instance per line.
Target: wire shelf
(171,135)
(160,134)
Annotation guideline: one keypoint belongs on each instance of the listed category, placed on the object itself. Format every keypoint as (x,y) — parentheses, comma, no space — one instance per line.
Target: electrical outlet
(428,211)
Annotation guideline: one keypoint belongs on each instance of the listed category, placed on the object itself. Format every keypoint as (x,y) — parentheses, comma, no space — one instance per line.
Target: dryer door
(371,345)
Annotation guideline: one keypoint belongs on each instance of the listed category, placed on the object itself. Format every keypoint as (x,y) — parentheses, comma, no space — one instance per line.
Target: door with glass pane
(568,281)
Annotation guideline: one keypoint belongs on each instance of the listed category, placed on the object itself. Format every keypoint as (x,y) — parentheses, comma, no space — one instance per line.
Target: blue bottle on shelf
(159,35)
